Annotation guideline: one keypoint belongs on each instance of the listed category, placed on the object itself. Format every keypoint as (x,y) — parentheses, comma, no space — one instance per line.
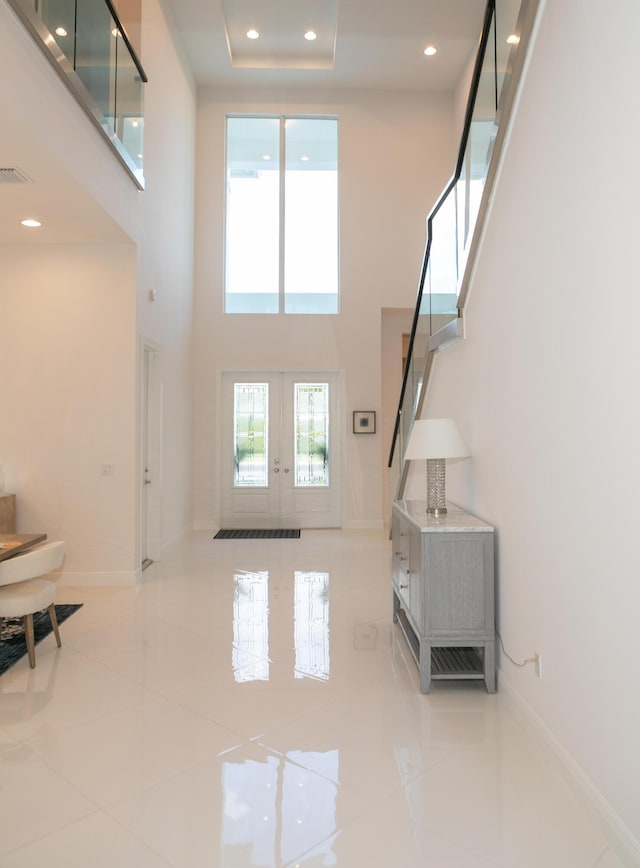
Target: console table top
(456,519)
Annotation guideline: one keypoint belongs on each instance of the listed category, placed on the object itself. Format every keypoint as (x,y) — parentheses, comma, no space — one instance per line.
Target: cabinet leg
(425,667)
(490,667)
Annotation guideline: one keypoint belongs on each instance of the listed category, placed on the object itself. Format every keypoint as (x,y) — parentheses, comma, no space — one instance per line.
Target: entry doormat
(258,534)
(13,645)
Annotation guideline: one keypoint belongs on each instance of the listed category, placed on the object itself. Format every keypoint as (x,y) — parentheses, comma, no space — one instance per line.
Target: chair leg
(31,645)
(54,623)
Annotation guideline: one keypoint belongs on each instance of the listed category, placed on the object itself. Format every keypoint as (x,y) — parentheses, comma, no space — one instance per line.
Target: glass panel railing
(476,158)
(95,55)
(470,185)
(442,274)
(59,17)
(452,224)
(129,110)
(507,36)
(90,50)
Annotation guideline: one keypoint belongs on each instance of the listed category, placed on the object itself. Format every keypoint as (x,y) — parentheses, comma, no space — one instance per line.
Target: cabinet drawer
(400,542)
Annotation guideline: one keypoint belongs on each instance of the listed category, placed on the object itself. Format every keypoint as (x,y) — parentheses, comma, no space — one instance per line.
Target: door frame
(338,423)
(150,495)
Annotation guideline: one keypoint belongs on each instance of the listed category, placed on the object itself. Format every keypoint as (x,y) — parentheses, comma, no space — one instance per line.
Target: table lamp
(435,440)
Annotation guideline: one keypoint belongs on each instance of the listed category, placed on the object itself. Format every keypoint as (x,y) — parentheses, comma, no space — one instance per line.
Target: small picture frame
(364,421)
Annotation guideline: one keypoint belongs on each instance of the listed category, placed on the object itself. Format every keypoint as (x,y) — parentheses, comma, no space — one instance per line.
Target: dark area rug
(258,534)
(13,645)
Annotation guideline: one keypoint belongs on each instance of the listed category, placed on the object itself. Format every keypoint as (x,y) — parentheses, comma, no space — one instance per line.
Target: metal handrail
(526,21)
(125,36)
(473,92)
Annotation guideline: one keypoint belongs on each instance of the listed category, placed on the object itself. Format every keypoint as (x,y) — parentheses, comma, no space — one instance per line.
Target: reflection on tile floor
(251,704)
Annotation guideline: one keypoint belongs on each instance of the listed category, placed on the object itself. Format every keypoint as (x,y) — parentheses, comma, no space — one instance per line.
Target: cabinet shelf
(462,663)
(447,662)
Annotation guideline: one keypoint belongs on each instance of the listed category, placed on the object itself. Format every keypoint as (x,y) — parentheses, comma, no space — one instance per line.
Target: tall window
(281,215)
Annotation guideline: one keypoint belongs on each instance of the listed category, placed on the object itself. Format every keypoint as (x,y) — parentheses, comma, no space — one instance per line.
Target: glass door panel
(280,450)
(311,420)
(250,433)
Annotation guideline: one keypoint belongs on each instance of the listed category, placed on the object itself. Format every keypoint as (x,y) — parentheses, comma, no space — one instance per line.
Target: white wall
(546,390)
(74,314)
(395,155)
(166,260)
(68,351)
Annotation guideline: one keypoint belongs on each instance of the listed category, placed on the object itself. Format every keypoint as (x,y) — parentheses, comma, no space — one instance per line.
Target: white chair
(22,593)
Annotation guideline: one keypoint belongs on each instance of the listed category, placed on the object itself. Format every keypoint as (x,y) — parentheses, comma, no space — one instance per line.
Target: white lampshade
(435,438)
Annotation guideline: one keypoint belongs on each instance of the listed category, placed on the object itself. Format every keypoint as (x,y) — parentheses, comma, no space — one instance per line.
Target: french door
(281,450)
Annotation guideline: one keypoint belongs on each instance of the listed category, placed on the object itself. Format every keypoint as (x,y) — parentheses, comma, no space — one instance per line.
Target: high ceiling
(374,44)
(360,43)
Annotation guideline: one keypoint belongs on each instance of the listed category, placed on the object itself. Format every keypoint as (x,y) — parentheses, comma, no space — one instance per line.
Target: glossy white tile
(387,835)
(119,754)
(246,807)
(251,705)
(65,688)
(95,840)
(34,800)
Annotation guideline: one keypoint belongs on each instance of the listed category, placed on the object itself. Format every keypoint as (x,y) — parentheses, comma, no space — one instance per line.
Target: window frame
(282,169)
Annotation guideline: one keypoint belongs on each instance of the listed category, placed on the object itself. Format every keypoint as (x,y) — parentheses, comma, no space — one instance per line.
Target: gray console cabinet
(443,592)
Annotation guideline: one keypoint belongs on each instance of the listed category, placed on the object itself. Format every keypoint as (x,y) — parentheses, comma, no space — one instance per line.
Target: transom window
(281,245)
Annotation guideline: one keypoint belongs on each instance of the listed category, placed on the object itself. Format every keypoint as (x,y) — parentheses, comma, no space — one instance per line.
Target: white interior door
(144,458)
(281,450)
(151,454)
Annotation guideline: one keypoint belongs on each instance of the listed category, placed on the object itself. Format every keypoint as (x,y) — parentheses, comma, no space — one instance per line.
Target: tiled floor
(251,704)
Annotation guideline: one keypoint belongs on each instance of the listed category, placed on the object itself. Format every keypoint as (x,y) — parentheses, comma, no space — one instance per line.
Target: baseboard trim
(623,841)
(349,525)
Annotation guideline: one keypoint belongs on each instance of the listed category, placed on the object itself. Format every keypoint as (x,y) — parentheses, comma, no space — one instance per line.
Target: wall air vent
(13,176)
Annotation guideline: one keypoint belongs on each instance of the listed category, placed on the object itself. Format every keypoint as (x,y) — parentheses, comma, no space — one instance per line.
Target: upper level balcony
(90,48)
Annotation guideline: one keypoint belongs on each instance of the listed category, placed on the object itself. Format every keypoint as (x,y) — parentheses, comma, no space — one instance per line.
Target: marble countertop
(456,519)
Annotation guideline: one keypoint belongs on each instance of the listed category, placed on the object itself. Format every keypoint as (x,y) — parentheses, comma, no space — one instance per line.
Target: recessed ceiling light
(61,31)
(310,35)
(430,50)
(266,156)
(134,123)
(305,159)
(252,34)
(115,32)
(31,223)
(514,39)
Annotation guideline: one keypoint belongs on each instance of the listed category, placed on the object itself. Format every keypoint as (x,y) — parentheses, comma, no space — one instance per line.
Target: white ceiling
(361,43)
(68,212)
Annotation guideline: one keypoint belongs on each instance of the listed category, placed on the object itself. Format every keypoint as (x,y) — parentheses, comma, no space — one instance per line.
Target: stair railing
(456,222)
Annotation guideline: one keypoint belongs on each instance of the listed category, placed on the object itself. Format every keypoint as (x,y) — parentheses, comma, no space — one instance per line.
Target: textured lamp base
(436,498)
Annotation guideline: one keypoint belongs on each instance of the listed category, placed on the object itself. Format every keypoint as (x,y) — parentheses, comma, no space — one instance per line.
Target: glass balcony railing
(89,48)
(453,224)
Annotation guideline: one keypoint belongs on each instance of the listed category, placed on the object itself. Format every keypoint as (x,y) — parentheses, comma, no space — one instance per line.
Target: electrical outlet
(538,661)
